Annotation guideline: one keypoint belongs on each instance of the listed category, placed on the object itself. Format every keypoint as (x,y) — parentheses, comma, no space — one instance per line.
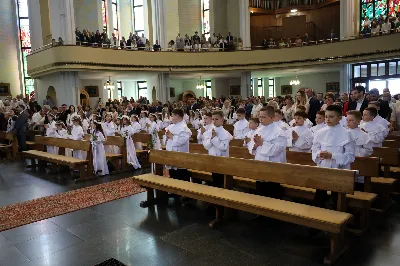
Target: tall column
(110,19)
(345,76)
(162,87)
(126,17)
(35,24)
(159,22)
(62,19)
(245,84)
(347,19)
(245,22)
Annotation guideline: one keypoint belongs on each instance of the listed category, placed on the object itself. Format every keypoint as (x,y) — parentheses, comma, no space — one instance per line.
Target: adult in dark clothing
(359,102)
(3,122)
(314,105)
(384,109)
(21,127)
(192,105)
(62,116)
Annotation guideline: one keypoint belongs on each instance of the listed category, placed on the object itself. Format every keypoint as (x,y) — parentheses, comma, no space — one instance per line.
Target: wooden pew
(334,222)
(10,145)
(229,128)
(122,156)
(236,143)
(85,167)
(360,202)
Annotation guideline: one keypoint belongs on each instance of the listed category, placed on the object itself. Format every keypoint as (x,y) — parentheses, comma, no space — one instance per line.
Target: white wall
(88,15)
(317,82)
(189,13)
(218,14)
(102,92)
(129,89)
(10,47)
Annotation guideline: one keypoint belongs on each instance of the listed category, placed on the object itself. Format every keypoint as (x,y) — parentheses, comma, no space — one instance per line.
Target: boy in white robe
(333,147)
(176,138)
(278,120)
(376,132)
(300,137)
(379,119)
(268,144)
(208,125)
(241,127)
(216,141)
(363,144)
(320,120)
(253,125)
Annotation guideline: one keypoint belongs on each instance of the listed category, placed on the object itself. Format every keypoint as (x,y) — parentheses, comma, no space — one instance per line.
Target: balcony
(78,58)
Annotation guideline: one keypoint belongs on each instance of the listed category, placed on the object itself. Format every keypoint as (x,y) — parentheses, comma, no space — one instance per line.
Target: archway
(83,97)
(51,91)
(187,95)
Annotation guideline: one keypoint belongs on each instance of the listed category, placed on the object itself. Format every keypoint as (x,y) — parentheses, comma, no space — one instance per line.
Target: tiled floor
(167,235)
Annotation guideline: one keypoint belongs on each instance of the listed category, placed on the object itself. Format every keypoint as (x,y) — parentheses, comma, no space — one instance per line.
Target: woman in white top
(375,28)
(301,99)
(231,117)
(386,27)
(287,110)
(256,108)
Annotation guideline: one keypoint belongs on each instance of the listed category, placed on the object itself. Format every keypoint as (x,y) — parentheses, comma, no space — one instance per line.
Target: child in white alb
(126,132)
(152,129)
(216,142)
(196,121)
(379,119)
(231,118)
(50,132)
(363,143)
(100,166)
(376,132)
(278,120)
(253,125)
(208,125)
(320,120)
(109,130)
(241,127)
(144,120)
(300,137)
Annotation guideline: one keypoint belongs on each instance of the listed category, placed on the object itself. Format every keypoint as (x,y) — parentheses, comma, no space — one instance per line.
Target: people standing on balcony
(288,42)
(196,37)
(306,39)
(375,29)
(386,27)
(122,43)
(156,47)
(298,41)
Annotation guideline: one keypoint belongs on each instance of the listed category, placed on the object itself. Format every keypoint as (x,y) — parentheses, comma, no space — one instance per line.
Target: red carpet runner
(27,212)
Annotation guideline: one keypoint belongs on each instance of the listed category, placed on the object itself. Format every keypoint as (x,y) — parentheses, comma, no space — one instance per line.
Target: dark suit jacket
(193,107)
(353,105)
(314,108)
(384,109)
(21,124)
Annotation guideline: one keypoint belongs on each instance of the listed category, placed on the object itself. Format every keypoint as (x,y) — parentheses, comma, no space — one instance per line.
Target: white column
(162,87)
(347,17)
(67,89)
(125,17)
(62,19)
(159,22)
(345,77)
(110,25)
(35,24)
(245,84)
(245,22)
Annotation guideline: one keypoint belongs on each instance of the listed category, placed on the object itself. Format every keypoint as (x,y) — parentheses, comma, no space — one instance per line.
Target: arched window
(25,38)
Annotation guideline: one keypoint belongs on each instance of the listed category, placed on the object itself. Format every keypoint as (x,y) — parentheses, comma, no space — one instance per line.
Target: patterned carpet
(27,212)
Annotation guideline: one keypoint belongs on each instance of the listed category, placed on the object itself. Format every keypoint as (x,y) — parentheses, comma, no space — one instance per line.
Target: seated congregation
(324,173)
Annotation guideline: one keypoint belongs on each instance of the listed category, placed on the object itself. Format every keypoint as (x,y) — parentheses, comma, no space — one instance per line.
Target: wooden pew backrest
(228,128)
(82,145)
(197,148)
(141,137)
(236,143)
(335,180)
(389,156)
(114,140)
(391,144)
(7,136)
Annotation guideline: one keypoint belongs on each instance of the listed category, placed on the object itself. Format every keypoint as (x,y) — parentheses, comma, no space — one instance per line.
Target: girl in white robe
(159,121)
(136,127)
(144,120)
(127,131)
(100,166)
(62,133)
(278,120)
(152,129)
(231,118)
(253,125)
(320,120)
(208,125)
(85,123)
(50,132)
(77,134)
(166,118)
(196,122)
(109,130)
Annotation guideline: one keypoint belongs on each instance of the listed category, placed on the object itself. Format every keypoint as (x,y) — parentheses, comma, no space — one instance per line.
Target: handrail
(211,49)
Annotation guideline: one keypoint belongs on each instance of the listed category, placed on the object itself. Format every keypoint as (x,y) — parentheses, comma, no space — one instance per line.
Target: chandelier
(200,85)
(295,81)
(109,85)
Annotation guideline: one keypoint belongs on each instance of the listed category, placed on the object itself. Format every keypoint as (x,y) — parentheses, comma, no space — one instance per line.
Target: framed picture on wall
(332,87)
(93,91)
(172,92)
(5,89)
(234,90)
(286,89)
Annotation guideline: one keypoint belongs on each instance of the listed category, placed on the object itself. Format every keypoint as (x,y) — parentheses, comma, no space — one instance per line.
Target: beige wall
(189,13)
(88,15)
(233,17)
(172,20)
(9,47)
(225,17)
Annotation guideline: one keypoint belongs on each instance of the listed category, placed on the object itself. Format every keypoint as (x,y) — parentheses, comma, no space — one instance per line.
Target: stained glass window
(115,17)
(206,18)
(374,8)
(104,13)
(138,16)
(25,38)
(393,7)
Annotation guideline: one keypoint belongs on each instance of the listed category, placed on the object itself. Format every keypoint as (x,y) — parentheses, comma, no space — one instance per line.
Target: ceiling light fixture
(109,84)
(293,10)
(295,81)
(200,85)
